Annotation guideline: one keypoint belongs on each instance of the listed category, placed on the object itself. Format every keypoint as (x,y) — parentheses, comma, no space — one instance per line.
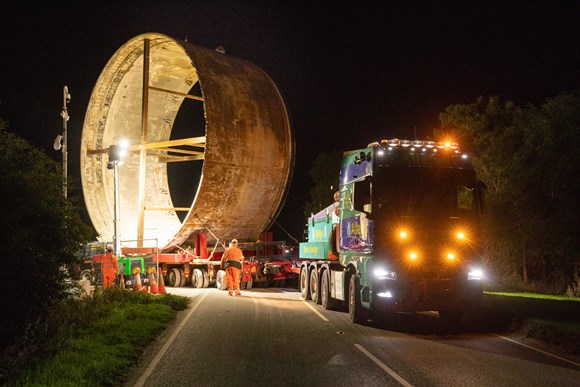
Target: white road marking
(395,375)
(538,350)
(315,311)
(166,346)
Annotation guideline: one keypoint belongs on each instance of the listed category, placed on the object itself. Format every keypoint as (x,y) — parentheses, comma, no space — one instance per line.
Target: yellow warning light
(460,235)
(450,256)
(403,234)
(413,255)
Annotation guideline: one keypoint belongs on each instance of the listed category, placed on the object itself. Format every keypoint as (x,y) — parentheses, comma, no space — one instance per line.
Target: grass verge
(98,339)
(551,319)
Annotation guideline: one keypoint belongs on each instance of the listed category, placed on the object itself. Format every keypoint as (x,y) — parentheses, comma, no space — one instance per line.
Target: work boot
(230,293)
(238,294)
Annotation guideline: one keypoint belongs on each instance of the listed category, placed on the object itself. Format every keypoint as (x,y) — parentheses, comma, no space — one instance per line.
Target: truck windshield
(425,192)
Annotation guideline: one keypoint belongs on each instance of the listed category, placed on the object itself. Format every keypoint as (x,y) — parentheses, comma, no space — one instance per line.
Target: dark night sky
(350,75)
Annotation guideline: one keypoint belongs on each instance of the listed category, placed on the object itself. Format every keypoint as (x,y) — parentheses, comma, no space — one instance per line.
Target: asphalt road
(270,337)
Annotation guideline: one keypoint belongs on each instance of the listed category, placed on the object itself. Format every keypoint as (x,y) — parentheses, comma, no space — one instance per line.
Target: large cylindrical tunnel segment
(247,150)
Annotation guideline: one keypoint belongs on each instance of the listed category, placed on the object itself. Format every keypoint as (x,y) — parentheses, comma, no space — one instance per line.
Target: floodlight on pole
(116,154)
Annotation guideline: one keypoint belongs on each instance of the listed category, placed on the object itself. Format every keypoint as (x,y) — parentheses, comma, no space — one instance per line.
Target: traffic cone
(137,282)
(122,282)
(152,283)
(161,286)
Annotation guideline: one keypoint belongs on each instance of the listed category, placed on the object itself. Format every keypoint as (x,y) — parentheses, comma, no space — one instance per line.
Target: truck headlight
(383,274)
(385,294)
(475,274)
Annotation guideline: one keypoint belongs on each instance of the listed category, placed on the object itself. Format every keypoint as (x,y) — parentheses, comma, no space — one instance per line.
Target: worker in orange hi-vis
(109,268)
(232,262)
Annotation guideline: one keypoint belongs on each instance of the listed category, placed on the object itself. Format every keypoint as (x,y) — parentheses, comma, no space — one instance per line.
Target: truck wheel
(206,281)
(220,281)
(314,287)
(304,288)
(357,313)
(249,284)
(327,301)
(173,278)
(198,275)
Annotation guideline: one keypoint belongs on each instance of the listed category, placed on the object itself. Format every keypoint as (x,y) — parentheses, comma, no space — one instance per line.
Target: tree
(42,234)
(324,173)
(528,158)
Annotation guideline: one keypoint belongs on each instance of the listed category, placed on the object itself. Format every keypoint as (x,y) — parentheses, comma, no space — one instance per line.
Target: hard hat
(235,241)
(110,248)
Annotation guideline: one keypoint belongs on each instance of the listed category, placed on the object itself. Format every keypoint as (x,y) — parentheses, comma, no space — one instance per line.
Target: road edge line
(315,311)
(386,368)
(538,350)
(165,347)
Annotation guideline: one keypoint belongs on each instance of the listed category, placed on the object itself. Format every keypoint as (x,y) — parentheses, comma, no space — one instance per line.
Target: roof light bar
(396,143)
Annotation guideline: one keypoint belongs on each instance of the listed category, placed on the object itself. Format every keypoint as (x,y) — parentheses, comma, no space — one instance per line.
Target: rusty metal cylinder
(247,151)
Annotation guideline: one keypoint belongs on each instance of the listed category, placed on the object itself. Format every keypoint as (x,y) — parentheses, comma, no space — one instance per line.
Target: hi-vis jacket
(233,256)
(109,262)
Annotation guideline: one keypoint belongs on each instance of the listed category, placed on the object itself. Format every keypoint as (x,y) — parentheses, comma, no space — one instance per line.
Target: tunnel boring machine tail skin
(403,234)
(172,102)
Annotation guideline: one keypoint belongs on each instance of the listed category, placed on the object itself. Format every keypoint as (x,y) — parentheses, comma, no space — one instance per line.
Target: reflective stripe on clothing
(109,261)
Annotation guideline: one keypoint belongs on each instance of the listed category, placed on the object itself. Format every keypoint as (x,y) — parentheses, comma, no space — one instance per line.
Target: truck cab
(405,230)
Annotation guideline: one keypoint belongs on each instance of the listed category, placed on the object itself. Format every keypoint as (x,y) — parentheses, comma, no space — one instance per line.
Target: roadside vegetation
(92,341)
(544,317)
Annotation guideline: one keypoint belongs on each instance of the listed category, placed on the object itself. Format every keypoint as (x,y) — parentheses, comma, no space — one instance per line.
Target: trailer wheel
(314,286)
(357,313)
(198,275)
(86,275)
(326,300)
(173,278)
(183,278)
(220,281)
(304,288)
(206,281)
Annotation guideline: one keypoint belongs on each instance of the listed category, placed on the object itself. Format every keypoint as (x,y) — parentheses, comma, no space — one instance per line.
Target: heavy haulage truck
(403,234)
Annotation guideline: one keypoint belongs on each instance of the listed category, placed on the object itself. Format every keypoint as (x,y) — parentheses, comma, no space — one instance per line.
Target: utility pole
(61,140)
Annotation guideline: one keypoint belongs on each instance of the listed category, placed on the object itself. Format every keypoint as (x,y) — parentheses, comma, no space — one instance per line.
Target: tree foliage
(42,234)
(528,157)
(324,173)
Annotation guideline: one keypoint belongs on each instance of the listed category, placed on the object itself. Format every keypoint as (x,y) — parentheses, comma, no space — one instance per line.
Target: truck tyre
(250,283)
(206,281)
(220,281)
(304,287)
(314,286)
(326,300)
(198,275)
(357,313)
(174,278)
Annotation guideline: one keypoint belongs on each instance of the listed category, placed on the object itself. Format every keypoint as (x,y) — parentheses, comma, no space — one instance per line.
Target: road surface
(270,337)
